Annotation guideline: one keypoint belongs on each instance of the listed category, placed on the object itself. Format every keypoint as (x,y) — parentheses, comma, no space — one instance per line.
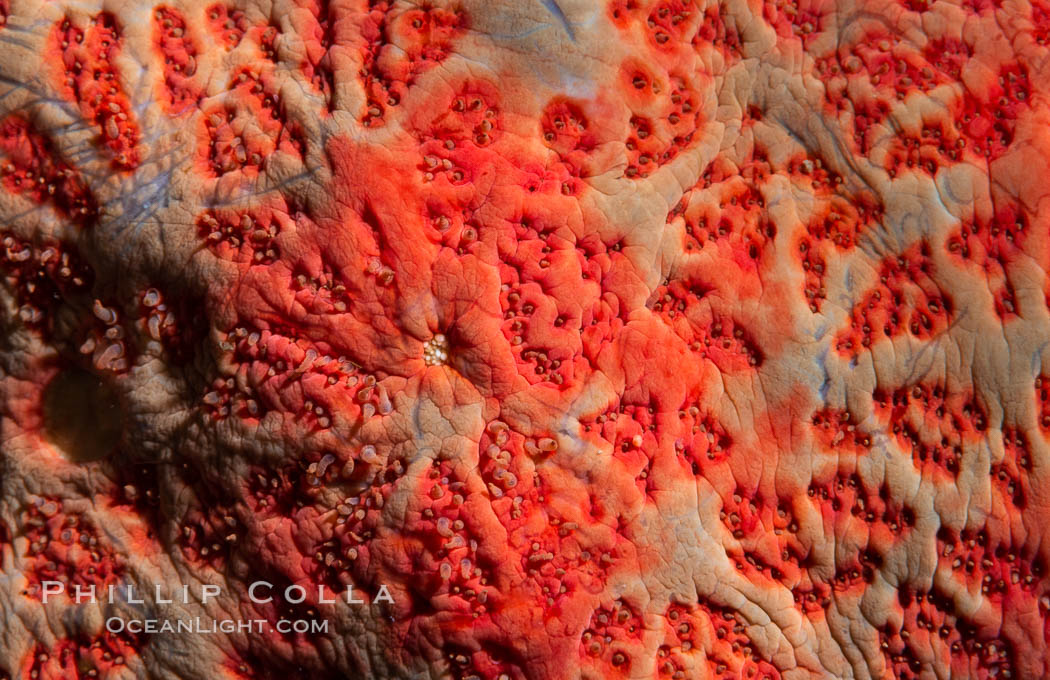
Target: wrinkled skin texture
(618,340)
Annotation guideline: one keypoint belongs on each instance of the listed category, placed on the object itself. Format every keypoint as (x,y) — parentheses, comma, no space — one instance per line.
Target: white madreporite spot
(435,350)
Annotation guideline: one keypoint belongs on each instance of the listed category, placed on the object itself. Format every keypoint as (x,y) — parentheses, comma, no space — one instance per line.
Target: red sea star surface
(583,340)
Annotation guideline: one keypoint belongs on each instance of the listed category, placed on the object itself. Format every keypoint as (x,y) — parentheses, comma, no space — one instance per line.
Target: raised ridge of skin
(629,339)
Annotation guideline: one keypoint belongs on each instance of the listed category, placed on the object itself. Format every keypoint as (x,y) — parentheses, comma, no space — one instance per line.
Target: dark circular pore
(82,415)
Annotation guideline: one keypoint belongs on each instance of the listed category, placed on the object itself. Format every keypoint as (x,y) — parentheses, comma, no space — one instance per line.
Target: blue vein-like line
(553,8)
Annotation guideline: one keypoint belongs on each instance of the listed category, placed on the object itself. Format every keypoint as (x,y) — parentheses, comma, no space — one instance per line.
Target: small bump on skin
(435,350)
